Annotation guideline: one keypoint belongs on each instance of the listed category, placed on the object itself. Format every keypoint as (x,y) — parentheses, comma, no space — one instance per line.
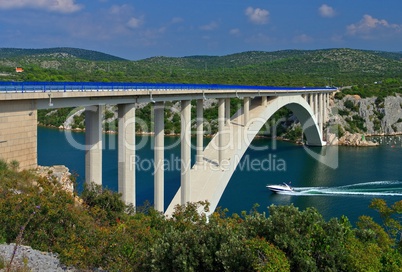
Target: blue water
(361,175)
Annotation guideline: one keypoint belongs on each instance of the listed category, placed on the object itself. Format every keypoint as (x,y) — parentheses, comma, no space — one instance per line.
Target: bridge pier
(159,148)
(185,151)
(264,101)
(322,109)
(93,144)
(126,153)
(311,101)
(221,124)
(316,106)
(326,105)
(246,108)
(227,111)
(200,131)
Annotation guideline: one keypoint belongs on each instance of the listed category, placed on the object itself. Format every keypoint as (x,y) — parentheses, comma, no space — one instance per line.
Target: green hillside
(340,67)
(58,52)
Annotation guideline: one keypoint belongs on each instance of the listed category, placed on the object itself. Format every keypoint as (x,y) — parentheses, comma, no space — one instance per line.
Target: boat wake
(376,188)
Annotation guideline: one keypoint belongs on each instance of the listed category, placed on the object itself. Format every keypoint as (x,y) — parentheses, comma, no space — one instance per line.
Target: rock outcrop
(61,173)
(349,139)
(373,115)
(358,117)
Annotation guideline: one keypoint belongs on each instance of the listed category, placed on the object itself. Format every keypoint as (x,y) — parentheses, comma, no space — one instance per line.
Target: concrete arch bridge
(214,165)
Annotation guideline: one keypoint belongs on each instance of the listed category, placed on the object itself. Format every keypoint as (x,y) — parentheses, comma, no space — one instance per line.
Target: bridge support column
(185,151)
(316,106)
(326,105)
(159,156)
(126,152)
(221,124)
(200,131)
(227,110)
(311,101)
(321,112)
(93,144)
(328,98)
(264,101)
(246,107)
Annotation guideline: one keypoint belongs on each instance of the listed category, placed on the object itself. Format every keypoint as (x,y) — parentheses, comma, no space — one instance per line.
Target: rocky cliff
(352,117)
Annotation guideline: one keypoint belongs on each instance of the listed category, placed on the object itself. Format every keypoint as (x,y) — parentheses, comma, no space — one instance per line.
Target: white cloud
(326,11)
(257,15)
(370,24)
(64,6)
(210,26)
(135,22)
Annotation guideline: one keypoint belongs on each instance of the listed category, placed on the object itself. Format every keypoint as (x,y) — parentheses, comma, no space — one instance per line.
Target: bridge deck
(74,94)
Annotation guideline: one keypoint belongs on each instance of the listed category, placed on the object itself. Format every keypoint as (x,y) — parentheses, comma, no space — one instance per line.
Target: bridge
(214,164)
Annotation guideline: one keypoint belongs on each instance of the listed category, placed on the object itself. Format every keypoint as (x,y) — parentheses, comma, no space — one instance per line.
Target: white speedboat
(280,188)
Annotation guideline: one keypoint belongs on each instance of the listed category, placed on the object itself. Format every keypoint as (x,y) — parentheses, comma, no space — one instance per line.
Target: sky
(140,29)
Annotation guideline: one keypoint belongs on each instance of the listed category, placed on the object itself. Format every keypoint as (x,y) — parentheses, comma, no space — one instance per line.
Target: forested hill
(338,67)
(60,52)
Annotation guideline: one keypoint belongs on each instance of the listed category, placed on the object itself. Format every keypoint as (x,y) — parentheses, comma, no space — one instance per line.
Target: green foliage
(97,231)
(349,104)
(362,256)
(343,112)
(78,122)
(190,243)
(2,262)
(370,89)
(391,217)
(54,118)
(105,205)
(58,53)
(295,134)
(356,123)
(266,257)
(379,102)
(287,67)
(377,124)
(339,95)
(310,243)
(109,114)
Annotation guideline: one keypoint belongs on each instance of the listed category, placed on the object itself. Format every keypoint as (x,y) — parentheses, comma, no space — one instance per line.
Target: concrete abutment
(18,132)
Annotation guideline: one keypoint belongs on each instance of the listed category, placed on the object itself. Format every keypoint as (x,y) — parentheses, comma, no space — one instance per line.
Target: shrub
(339,95)
(266,257)
(106,205)
(309,242)
(349,104)
(379,102)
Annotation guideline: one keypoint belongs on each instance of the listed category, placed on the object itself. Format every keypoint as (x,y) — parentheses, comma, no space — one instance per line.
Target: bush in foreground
(100,231)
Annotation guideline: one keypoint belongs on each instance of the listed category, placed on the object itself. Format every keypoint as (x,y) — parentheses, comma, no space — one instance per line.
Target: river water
(335,180)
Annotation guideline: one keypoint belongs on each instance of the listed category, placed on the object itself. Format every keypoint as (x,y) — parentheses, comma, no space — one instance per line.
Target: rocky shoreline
(349,139)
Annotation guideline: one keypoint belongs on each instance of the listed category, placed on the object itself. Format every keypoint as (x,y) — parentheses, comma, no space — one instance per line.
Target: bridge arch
(209,179)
